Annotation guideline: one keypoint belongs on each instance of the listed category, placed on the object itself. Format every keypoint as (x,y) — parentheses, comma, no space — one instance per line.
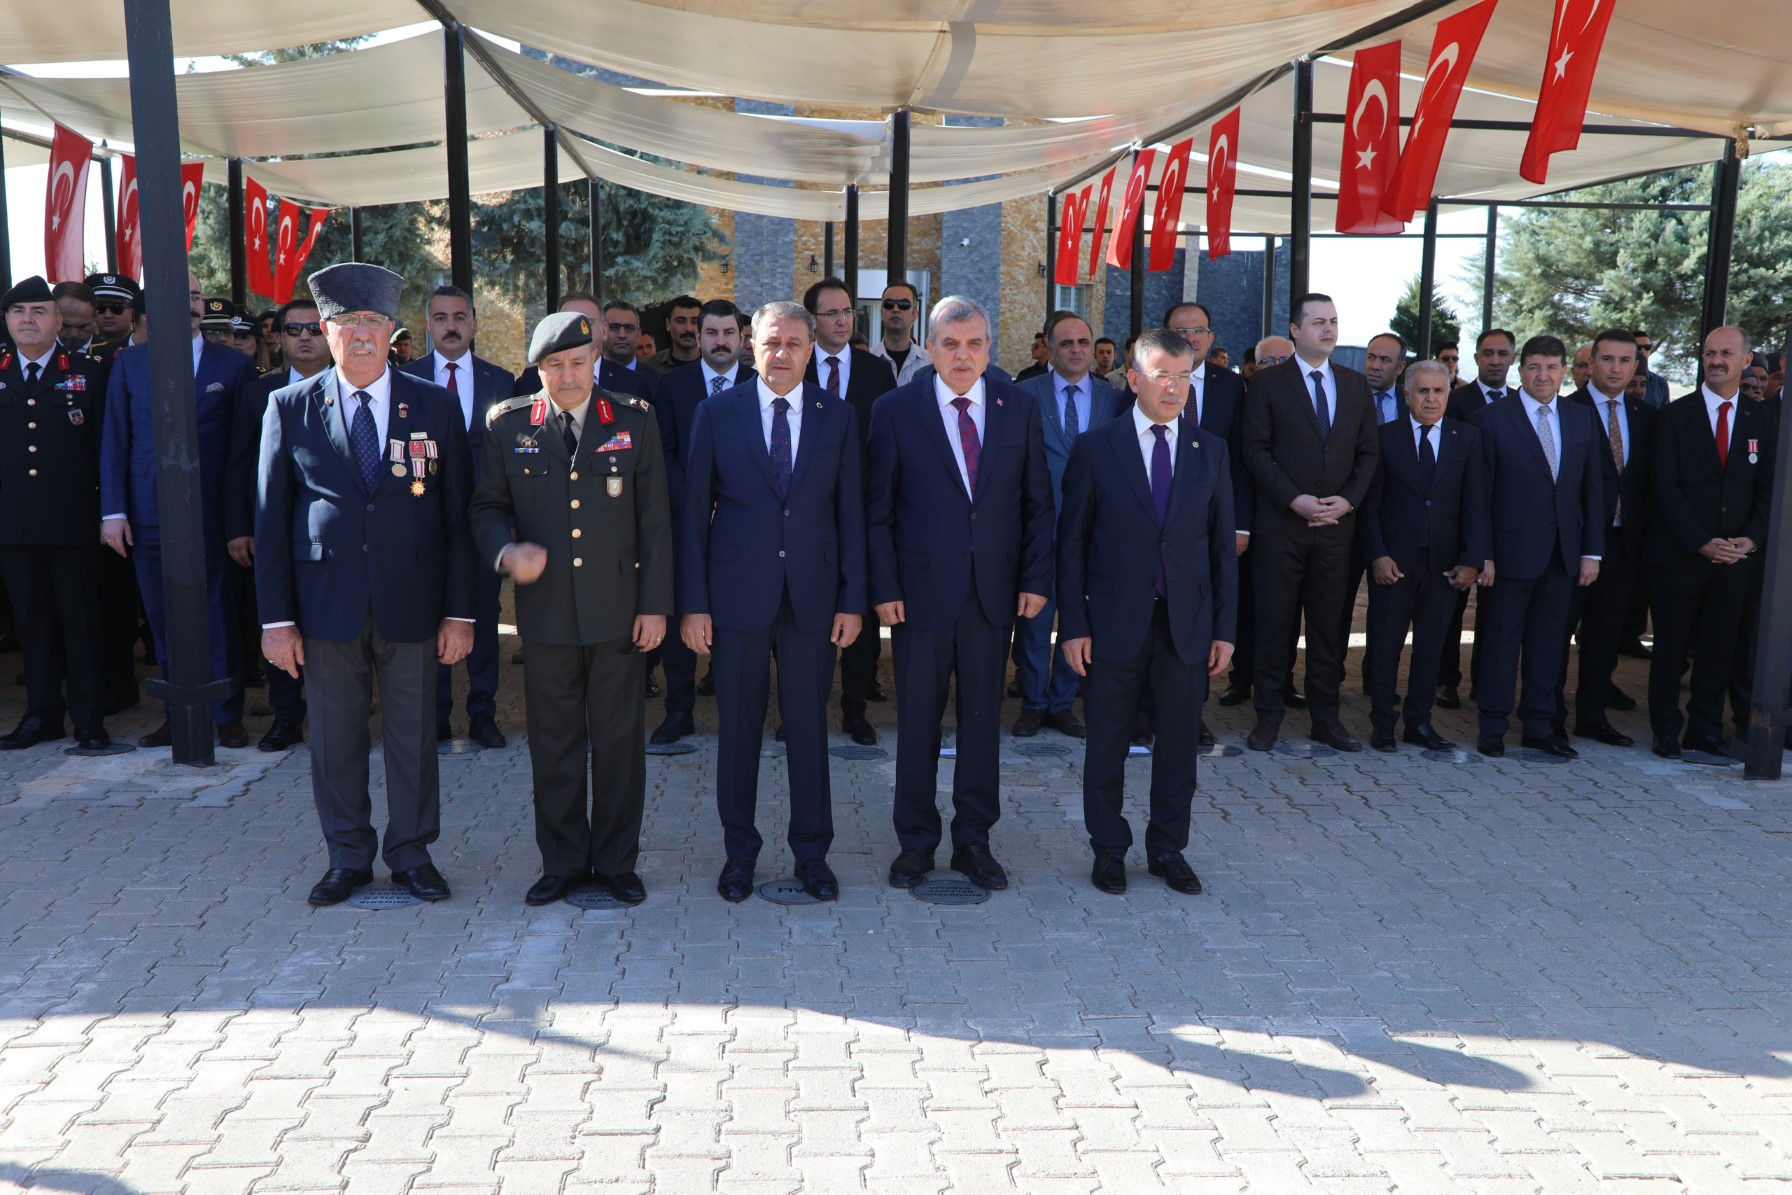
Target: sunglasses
(111,308)
(1270,360)
(315,328)
(898,304)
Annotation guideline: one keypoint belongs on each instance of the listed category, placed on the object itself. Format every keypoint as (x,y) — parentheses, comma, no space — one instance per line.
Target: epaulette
(507,406)
(619,399)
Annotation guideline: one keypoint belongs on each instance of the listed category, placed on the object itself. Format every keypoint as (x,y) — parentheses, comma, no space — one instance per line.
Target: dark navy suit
(1542,527)
(1112,549)
(1426,530)
(128,487)
(368,577)
(771,567)
(958,562)
(1047,682)
(491,384)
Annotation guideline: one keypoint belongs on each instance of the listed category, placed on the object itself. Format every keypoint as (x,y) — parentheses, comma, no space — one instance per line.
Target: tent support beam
(239,260)
(1488,275)
(1300,207)
(897,268)
(460,196)
(1269,286)
(1726,182)
(1762,751)
(1051,249)
(355,251)
(594,194)
(550,214)
(827,250)
(1139,265)
(849,244)
(1427,280)
(5,226)
(188,689)
(111,216)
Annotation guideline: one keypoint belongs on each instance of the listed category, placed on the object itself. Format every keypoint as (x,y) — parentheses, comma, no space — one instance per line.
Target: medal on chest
(1754,452)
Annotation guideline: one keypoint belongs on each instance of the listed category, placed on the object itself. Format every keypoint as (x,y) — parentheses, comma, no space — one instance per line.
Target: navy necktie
(1384,399)
(1073,423)
(781,445)
(1320,406)
(1427,458)
(364,438)
(1161,470)
(716,383)
(569,433)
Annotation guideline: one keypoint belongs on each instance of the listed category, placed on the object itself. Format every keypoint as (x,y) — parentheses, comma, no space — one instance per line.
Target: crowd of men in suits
(766,492)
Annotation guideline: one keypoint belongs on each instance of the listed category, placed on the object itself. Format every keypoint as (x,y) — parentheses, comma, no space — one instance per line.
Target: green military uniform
(603,516)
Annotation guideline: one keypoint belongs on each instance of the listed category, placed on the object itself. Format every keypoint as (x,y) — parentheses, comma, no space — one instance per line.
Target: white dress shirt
(1331,384)
(198,347)
(1603,405)
(43,365)
(463,382)
(1713,401)
(942,393)
(1148,439)
(1197,394)
(1085,400)
(1437,439)
(794,417)
(821,368)
(379,393)
(729,379)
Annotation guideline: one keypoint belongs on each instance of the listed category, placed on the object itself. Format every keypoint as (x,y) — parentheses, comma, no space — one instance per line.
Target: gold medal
(416,489)
(398,470)
(613,486)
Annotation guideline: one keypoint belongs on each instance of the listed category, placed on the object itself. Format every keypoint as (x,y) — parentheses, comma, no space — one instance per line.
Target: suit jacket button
(370,506)
(573,476)
(34,472)
(578,562)
(780,554)
(576,533)
(787,512)
(575,504)
(30,448)
(365,548)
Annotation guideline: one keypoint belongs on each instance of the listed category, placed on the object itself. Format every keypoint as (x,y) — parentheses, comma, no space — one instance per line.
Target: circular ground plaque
(593,896)
(786,892)
(679,748)
(1451,756)
(458,747)
(857,752)
(1041,749)
(86,752)
(382,896)
(949,890)
(1305,750)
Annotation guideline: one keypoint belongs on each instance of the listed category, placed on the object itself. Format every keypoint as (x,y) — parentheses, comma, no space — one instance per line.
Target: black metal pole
(111,216)
(1427,279)
(5,225)
(827,250)
(594,192)
(354,233)
(188,689)
(239,264)
(897,268)
(550,212)
(1137,273)
(1269,287)
(1763,751)
(1051,250)
(1300,204)
(1487,267)
(1727,179)
(460,193)
(849,245)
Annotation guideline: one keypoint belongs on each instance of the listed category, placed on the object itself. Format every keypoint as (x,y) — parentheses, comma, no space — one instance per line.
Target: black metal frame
(550,214)
(896,269)
(107,212)
(237,222)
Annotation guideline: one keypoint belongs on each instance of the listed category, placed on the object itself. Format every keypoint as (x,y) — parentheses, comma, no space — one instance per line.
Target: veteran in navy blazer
(364,569)
(1548,518)
(1424,533)
(131,513)
(771,562)
(1148,592)
(959,516)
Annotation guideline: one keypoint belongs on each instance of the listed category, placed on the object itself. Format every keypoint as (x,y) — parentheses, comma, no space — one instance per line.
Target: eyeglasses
(1187,333)
(1262,361)
(359,319)
(625,327)
(836,313)
(898,304)
(315,328)
(110,308)
(1164,379)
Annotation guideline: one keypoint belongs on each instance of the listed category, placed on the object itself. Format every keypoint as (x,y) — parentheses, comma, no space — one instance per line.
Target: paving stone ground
(1406,975)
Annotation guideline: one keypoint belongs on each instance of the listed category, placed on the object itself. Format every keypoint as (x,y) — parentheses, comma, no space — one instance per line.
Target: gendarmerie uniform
(50,491)
(602,513)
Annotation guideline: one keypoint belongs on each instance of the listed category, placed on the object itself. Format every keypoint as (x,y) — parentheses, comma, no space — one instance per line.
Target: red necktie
(453,382)
(833,383)
(969,441)
(1723,435)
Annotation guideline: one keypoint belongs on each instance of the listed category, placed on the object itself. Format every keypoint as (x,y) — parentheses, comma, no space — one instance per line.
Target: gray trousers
(339,681)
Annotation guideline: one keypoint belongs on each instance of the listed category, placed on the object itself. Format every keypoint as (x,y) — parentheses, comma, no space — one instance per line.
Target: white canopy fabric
(92,30)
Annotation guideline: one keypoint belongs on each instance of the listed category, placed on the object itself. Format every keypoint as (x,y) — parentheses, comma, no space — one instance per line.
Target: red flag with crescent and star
(192,177)
(1371,142)
(128,247)
(1101,220)
(286,251)
(255,232)
(1574,47)
(1132,210)
(65,207)
(1070,235)
(1167,215)
(1222,184)
(1452,51)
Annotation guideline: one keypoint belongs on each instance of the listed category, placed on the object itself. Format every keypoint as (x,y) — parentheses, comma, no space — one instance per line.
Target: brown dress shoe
(232,734)
(1263,735)
(1066,722)
(161,736)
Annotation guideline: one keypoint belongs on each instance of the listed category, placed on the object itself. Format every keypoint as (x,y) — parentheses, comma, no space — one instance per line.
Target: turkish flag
(1132,206)
(1371,142)
(1071,217)
(255,234)
(1101,221)
(1222,183)
(65,207)
(129,244)
(311,230)
(192,177)
(286,251)
(1168,212)
(1574,47)
(1452,51)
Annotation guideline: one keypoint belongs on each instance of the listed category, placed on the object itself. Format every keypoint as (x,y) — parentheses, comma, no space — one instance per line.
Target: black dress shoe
(232,734)
(1295,700)
(1066,722)
(1208,742)
(30,732)
(1559,730)
(671,730)
(1263,735)
(1236,695)
(338,884)
(735,883)
(1383,740)
(423,882)
(876,692)
(862,732)
(910,868)
(1027,725)
(707,686)
(1666,747)
(1109,874)
(1604,732)
(1549,744)
(549,889)
(1423,735)
(483,729)
(625,886)
(1710,744)
(1176,873)
(1619,700)
(161,736)
(652,688)
(444,731)
(818,879)
(1448,697)
(282,735)
(1493,746)
(95,739)
(1013,691)
(974,862)
(1331,733)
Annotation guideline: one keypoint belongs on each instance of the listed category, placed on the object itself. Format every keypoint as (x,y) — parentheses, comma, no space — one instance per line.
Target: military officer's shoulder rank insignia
(499,409)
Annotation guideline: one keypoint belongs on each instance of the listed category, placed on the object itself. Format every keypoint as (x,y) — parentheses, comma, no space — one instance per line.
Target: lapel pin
(998,402)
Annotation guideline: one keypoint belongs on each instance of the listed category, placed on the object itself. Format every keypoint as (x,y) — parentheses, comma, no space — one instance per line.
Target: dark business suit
(1464,401)
(1359,559)
(368,577)
(868,378)
(772,563)
(1427,526)
(491,384)
(1541,529)
(1152,593)
(1699,605)
(1047,682)
(1300,569)
(958,561)
(128,487)
(1600,610)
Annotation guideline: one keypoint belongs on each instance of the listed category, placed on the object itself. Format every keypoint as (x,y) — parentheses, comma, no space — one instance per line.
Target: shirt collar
(1142,424)
(578,413)
(1600,397)
(1059,381)
(43,362)
(460,362)
(1713,399)
(944,394)
(378,391)
(709,375)
(1533,406)
(1307,367)
(767,396)
(822,355)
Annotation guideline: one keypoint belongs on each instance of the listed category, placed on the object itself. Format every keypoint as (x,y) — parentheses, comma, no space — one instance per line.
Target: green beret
(558,332)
